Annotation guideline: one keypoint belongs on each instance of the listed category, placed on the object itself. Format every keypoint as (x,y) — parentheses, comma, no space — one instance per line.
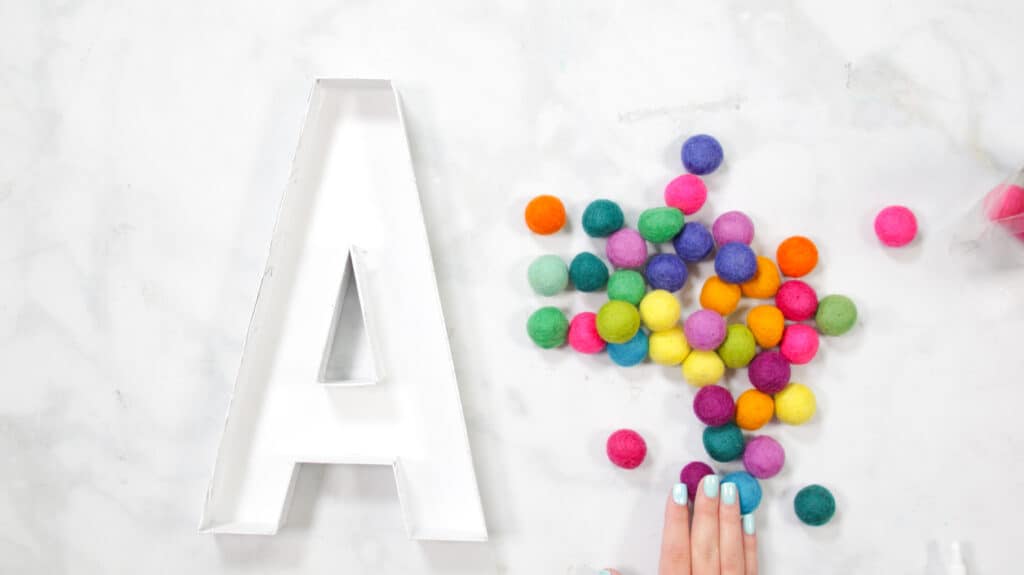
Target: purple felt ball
(692,473)
(714,405)
(694,243)
(667,272)
(735,263)
(732,227)
(763,457)
(626,248)
(704,330)
(769,372)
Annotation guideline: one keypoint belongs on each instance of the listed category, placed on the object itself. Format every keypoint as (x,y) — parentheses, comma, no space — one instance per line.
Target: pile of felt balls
(643,318)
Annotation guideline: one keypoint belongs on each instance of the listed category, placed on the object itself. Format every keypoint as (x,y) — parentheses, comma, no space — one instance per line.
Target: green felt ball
(627,285)
(724,443)
(588,272)
(659,225)
(547,327)
(814,505)
(836,315)
(739,346)
(548,275)
(602,218)
(618,321)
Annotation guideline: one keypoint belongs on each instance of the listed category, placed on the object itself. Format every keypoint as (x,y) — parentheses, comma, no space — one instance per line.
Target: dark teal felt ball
(724,443)
(602,218)
(814,505)
(588,272)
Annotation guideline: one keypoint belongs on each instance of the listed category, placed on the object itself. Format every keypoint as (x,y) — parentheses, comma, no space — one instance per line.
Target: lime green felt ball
(739,346)
(659,225)
(547,327)
(836,315)
(602,218)
(618,321)
(548,275)
(627,285)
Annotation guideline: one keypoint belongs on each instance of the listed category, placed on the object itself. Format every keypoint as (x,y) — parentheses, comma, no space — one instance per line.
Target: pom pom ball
(587,272)
(765,282)
(704,329)
(797,256)
(701,154)
(692,473)
(687,193)
(814,505)
(548,275)
(767,323)
(896,226)
(719,296)
(749,490)
(545,215)
(659,225)
(626,248)
(667,272)
(630,353)
(795,404)
(1004,205)
(617,321)
(732,227)
(627,285)
(754,409)
(626,448)
(763,457)
(669,347)
(796,300)
(713,405)
(836,315)
(694,243)
(735,263)
(702,368)
(769,372)
(547,327)
(723,443)
(659,310)
(602,218)
(583,336)
(799,343)
(738,348)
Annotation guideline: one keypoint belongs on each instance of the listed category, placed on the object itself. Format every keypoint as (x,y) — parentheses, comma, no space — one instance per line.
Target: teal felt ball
(814,505)
(602,218)
(588,272)
(723,443)
(627,285)
(547,327)
(548,275)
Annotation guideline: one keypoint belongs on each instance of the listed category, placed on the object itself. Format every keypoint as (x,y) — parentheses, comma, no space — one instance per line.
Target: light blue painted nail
(679,494)
(711,486)
(605,572)
(748,524)
(729,493)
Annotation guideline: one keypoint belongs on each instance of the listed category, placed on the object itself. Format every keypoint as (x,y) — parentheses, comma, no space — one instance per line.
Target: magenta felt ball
(626,448)
(796,300)
(769,372)
(799,343)
(583,336)
(704,329)
(896,226)
(733,227)
(714,405)
(687,193)
(692,473)
(626,248)
(763,457)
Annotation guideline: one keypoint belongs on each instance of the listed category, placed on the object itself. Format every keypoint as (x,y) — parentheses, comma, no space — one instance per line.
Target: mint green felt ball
(814,505)
(547,327)
(836,315)
(627,285)
(724,443)
(548,275)
(602,218)
(739,346)
(659,225)
(618,321)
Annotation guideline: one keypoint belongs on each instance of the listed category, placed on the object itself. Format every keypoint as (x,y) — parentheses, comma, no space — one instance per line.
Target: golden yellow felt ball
(659,310)
(765,282)
(795,404)
(703,368)
(668,347)
(719,296)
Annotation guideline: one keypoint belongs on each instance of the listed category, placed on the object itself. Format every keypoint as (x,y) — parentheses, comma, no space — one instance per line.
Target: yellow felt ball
(795,404)
(668,347)
(703,368)
(765,282)
(719,296)
(659,310)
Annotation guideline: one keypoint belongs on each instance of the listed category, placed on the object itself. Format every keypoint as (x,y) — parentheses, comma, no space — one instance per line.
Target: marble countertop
(144,147)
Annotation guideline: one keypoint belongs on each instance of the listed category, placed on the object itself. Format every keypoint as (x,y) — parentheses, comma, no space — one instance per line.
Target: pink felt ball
(687,193)
(583,336)
(896,226)
(799,343)
(692,473)
(626,248)
(704,329)
(796,300)
(763,457)
(1005,206)
(626,448)
(714,405)
(732,227)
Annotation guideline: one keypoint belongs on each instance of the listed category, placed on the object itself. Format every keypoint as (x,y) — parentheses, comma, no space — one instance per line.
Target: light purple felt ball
(769,372)
(692,473)
(704,329)
(714,405)
(763,457)
(731,227)
(626,248)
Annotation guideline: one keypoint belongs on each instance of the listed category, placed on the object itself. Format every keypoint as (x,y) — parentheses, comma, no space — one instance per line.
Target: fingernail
(748,524)
(729,493)
(711,486)
(605,572)
(679,494)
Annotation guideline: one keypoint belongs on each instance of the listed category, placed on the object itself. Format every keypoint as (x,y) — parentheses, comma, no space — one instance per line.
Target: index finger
(675,538)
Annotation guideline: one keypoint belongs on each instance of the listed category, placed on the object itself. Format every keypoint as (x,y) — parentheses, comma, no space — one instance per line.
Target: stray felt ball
(626,248)
(602,218)
(814,505)
(626,448)
(630,353)
(692,473)
(767,323)
(896,226)
(658,225)
(797,256)
(618,321)
(713,405)
(738,348)
(735,263)
(659,310)
(723,443)
(548,275)
(754,409)
(583,336)
(687,193)
(836,314)
(749,489)
(796,300)
(799,343)
(694,243)
(766,280)
(702,368)
(731,227)
(669,347)
(795,405)
(587,272)
(719,296)
(1004,205)
(545,215)
(667,272)
(763,457)
(701,154)
(705,329)
(769,372)
(547,327)
(627,285)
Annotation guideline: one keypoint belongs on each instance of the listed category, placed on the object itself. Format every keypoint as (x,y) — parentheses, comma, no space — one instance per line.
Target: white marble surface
(143,149)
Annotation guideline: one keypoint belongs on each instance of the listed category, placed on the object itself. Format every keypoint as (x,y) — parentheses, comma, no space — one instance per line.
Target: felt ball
(735,263)
(630,353)
(723,443)
(718,296)
(754,409)
(626,448)
(602,218)
(796,300)
(814,505)
(667,272)
(797,256)
(767,323)
(732,227)
(659,310)
(583,336)
(896,226)
(765,282)
(795,404)
(1004,205)
(701,154)
(702,368)
(738,348)
(587,272)
(618,321)
(545,215)
(836,314)
(627,285)
(547,327)
(658,225)
(694,243)
(548,275)
(704,329)
(713,405)
(669,347)
(626,248)
(769,372)
(692,473)
(763,457)
(748,488)
(687,193)
(799,343)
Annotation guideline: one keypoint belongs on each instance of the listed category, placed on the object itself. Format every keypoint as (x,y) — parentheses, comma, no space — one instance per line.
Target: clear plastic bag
(991,233)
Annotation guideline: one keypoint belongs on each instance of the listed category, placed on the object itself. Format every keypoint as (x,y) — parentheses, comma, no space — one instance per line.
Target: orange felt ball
(767,323)
(754,409)
(545,215)
(765,282)
(719,296)
(797,256)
